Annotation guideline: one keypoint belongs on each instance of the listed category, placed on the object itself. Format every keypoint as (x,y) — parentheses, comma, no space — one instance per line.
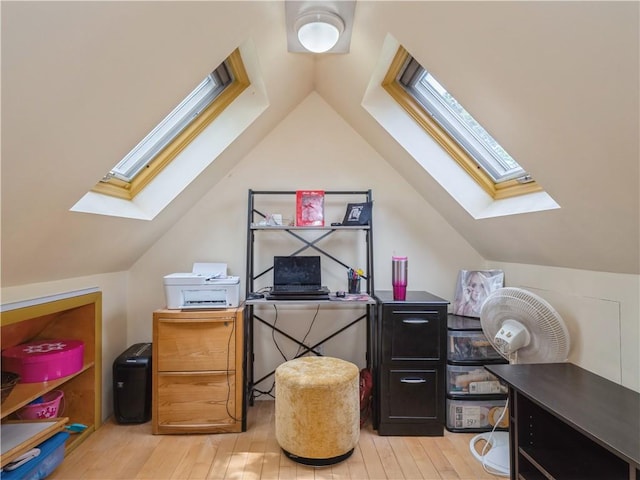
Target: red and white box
(44,359)
(310,208)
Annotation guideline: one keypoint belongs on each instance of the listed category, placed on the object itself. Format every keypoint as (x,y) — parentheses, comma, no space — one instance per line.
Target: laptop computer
(297,278)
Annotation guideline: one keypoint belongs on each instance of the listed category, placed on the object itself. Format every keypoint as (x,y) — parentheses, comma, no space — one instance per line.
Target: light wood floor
(132,452)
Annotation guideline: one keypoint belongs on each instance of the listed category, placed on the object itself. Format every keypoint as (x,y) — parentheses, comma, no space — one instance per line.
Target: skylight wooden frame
(128,190)
(497,191)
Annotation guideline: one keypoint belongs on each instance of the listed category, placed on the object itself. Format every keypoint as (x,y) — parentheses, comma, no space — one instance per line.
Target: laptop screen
(303,270)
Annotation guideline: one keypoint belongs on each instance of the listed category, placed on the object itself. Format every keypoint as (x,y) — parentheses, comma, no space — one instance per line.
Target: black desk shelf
(306,238)
(568,423)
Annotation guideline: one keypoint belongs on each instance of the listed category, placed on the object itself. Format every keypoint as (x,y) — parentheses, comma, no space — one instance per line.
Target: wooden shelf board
(24,393)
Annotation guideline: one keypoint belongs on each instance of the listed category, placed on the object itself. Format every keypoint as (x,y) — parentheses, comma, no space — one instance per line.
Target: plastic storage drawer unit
(470,346)
(476,415)
(472,380)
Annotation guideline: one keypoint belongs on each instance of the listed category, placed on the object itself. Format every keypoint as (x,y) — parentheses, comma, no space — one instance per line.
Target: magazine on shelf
(310,208)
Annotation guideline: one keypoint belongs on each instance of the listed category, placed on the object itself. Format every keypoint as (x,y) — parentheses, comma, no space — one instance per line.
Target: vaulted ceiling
(555,82)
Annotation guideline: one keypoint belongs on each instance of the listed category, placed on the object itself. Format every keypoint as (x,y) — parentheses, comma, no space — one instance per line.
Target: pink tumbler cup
(399,277)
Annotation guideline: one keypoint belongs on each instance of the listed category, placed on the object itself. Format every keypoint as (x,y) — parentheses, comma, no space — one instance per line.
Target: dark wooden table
(568,423)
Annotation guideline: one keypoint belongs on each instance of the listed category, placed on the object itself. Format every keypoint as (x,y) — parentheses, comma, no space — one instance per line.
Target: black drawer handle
(415,321)
(413,380)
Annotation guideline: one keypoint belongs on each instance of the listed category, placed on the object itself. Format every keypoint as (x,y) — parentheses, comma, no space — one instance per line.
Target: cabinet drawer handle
(415,312)
(414,321)
(413,380)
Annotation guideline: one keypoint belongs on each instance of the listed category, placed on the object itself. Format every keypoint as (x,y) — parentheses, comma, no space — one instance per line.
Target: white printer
(207,286)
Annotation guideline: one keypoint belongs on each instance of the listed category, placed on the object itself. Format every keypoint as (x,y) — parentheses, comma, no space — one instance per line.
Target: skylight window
(176,130)
(455,129)
(192,106)
(463,127)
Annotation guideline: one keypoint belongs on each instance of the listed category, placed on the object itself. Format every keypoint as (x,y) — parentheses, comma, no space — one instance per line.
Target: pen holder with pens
(353,280)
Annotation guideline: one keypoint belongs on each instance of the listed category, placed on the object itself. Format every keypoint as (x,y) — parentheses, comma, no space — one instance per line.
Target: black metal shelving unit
(256,214)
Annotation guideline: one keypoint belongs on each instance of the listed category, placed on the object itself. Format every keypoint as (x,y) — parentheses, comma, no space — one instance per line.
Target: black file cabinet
(411,364)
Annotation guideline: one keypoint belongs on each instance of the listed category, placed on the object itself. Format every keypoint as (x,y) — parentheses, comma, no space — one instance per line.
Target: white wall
(114,316)
(315,148)
(601,310)
(312,148)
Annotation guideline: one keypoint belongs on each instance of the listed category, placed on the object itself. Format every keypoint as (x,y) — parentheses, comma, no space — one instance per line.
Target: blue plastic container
(51,455)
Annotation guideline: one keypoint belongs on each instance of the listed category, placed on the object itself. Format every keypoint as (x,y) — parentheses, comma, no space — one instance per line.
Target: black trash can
(132,384)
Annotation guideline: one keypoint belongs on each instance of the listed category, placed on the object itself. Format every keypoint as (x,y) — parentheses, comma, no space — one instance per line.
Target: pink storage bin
(50,405)
(44,359)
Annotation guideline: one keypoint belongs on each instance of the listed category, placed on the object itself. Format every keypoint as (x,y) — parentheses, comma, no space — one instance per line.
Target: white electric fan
(523,328)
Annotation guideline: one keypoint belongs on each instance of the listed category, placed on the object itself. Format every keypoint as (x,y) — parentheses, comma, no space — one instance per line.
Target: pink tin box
(44,360)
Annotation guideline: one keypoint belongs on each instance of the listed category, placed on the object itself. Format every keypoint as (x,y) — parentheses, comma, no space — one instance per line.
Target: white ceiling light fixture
(322,26)
(319,32)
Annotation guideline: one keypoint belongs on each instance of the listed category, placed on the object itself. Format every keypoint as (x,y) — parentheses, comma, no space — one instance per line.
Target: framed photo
(472,289)
(357,214)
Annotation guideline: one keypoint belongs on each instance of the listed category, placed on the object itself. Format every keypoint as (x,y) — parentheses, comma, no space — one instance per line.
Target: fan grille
(549,334)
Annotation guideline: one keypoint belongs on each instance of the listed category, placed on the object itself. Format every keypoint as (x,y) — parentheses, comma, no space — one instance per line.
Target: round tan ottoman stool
(317,409)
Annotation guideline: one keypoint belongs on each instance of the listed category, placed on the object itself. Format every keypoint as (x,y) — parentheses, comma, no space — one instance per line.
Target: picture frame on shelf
(357,214)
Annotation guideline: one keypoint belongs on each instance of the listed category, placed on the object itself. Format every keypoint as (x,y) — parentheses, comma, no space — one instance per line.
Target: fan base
(496,460)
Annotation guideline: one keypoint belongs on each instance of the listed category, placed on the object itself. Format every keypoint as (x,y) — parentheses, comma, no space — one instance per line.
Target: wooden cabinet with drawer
(197,371)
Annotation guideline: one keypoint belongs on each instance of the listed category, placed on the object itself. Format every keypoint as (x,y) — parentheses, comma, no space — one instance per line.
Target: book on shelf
(310,208)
